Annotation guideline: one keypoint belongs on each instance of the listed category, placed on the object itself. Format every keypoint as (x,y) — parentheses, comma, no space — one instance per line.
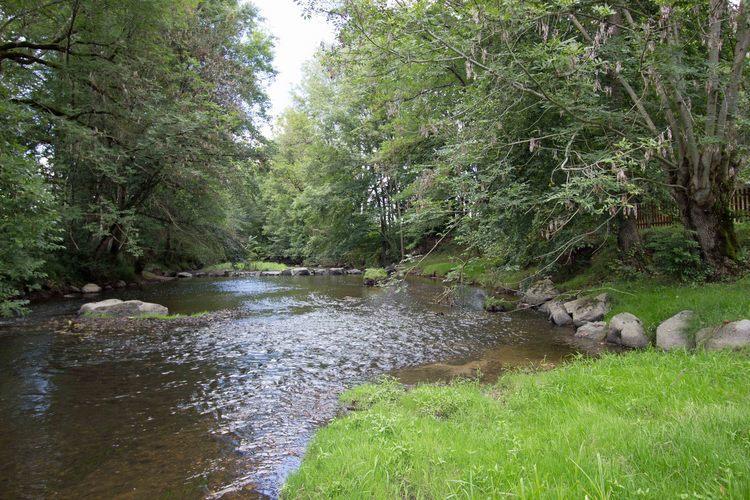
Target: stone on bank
(734,335)
(673,333)
(597,331)
(587,309)
(627,330)
(91,288)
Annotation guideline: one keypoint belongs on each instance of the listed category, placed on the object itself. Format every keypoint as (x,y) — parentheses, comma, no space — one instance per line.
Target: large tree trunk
(629,241)
(711,220)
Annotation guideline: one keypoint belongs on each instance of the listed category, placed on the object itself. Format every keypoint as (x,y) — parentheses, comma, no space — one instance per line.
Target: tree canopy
(522,131)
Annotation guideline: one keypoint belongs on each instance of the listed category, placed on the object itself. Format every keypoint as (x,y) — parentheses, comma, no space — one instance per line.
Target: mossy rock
(374,276)
(497,304)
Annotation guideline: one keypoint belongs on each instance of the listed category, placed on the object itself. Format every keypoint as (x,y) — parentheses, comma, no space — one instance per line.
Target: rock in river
(594,331)
(300,271)
(587,309)
(184,274)
(91,288)
(673,333)
(119,308)
(557,313)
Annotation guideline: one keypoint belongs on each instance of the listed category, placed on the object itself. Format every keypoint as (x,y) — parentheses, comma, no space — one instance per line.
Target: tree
(140,120)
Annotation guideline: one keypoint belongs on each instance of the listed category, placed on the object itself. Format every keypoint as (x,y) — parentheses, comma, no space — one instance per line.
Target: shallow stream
(226,410)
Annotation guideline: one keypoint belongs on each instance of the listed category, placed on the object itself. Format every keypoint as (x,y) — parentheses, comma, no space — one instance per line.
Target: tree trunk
(713,225)
(629,241)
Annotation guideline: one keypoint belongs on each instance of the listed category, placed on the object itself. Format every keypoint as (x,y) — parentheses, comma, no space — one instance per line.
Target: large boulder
(336,271)
(286,272)
(91,288)
(355,272)
(734,335)
(627,330)
(320,271)
(300,271)
(593,331)
(540,292)
(588,309)
(673,333)
(557,313)
(119,308)
(270,273)
(120,284)
(184,275)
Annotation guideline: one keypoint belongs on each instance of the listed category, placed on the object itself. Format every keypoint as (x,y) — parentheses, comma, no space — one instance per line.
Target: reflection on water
(228,409)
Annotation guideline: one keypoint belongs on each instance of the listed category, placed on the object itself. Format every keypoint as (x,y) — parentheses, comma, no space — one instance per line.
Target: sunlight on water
(201,412)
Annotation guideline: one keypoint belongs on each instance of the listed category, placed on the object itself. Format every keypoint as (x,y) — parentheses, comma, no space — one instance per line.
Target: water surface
(226,410)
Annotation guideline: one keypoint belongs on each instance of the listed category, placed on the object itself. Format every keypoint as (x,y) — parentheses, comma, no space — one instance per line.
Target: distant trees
(529,129)
(139,119)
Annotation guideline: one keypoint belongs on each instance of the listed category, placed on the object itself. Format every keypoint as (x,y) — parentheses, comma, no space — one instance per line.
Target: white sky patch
(297,39)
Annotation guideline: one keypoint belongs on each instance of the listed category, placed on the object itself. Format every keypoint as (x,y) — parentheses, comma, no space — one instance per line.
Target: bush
(675,253)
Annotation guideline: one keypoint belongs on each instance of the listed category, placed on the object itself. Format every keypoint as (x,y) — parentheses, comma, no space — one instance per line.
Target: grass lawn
(653,302)
(639,425)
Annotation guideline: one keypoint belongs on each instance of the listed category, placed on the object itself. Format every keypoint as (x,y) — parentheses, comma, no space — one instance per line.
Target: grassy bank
(670,280)
(247,266)
(654,301)
(638,425)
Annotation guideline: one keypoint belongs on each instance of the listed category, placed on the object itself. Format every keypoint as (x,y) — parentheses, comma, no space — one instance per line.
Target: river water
(226,410)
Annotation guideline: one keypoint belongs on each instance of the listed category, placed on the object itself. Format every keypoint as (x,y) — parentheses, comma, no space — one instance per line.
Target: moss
(374,275)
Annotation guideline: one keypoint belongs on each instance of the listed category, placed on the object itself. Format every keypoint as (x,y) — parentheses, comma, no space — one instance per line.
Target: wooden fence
(649,216)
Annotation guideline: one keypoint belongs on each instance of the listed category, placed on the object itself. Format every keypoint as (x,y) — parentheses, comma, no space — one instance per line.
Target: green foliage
(387,390)
(498,304)
(134,124)
(29,228)
(675,253)
(373,275)
(638,424)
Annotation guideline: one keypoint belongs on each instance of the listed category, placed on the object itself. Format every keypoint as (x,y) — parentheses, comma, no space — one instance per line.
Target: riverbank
(640,424)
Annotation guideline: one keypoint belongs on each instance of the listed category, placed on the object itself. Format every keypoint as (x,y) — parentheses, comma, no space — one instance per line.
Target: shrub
(675,253)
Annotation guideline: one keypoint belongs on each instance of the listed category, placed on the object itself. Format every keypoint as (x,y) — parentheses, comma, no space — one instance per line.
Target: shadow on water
(227,409)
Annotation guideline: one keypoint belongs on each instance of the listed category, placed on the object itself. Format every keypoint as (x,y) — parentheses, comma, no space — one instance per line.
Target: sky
(296,41)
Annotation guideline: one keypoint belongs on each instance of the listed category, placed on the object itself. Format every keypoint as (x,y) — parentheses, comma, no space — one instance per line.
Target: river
(227,409)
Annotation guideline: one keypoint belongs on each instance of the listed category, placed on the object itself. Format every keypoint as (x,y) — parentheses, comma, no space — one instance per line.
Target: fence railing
(650,216)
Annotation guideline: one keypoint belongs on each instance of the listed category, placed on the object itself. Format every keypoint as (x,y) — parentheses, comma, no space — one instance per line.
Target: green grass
(477,271)
(653,301)
(638,425)
(259,265)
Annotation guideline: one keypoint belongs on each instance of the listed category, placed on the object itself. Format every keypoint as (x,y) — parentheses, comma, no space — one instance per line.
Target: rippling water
(226,410)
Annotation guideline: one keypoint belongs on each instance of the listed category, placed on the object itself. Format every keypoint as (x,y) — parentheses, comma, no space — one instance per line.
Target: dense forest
(520,131)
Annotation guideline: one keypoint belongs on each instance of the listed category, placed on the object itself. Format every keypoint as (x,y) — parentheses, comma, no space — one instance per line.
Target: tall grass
(645,425)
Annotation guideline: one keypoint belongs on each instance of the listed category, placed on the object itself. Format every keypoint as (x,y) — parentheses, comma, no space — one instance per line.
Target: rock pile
(586,314)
